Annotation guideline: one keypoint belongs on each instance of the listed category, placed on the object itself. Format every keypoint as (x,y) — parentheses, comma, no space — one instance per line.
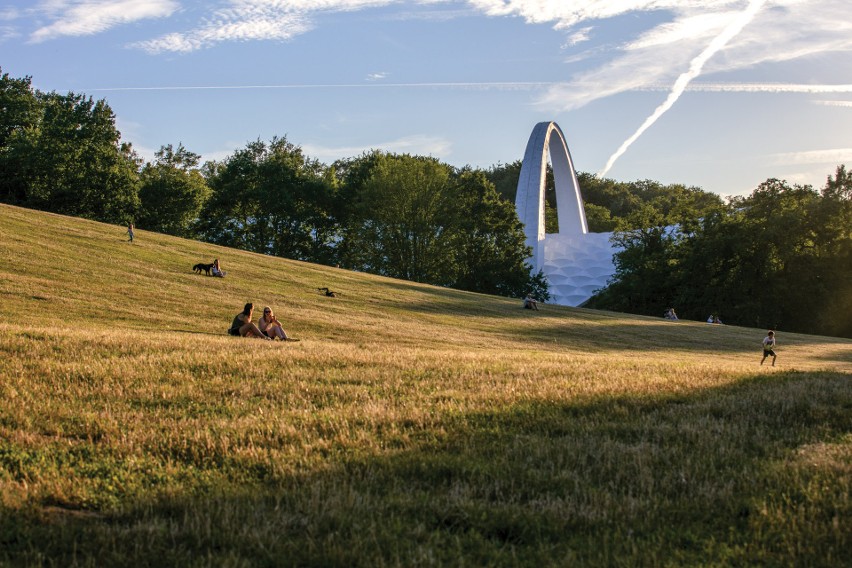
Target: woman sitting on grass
(243,326)
(217,269)
(270,326)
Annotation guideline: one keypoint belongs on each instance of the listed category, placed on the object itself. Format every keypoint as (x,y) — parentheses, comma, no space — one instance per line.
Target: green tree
(419,219)
(272,199)
(172,192)
(488,244)
(780,257)
(72,161)
(19,113)
(399,219)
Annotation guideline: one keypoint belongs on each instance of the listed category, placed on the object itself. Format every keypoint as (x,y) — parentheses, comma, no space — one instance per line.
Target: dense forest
(780,257)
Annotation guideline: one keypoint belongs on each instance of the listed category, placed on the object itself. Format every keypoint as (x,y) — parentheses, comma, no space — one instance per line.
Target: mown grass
(411,425)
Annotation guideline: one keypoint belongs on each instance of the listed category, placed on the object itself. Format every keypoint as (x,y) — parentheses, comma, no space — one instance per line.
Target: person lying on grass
(243,326)
(271,327)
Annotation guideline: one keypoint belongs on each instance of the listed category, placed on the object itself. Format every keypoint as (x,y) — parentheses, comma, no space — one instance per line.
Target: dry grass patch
(410,426)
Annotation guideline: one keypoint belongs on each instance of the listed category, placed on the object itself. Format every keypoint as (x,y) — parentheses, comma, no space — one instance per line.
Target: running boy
(769,347)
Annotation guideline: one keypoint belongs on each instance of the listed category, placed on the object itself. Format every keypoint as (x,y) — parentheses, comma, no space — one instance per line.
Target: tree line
(780,257)
(397,215)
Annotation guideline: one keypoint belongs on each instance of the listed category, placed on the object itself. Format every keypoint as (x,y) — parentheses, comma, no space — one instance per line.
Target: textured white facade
(575,261)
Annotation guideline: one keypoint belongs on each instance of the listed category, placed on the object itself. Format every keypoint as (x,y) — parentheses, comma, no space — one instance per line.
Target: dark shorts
(768,352)
(233,331)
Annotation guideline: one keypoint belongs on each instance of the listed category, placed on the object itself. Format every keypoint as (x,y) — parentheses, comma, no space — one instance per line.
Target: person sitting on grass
(243,326)
(530,303)
(217,270)
(271,327)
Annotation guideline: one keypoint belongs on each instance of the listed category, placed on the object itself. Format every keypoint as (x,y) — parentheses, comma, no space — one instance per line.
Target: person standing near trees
(130,231)
(769,347)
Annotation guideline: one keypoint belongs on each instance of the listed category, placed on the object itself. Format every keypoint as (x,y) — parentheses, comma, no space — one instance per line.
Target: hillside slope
(411,425)
(61,272)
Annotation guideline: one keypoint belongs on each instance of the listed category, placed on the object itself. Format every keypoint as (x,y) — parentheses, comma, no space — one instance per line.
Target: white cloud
(253,20)
(785,30)
(7,33)
(580,36)
(695,68)
(845,104)
(245,25)
(377,76)
(9,13)
(830,156)
(89,17)
(421,145)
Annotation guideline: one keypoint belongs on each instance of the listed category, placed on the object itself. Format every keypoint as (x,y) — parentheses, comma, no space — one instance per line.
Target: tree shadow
(720,476)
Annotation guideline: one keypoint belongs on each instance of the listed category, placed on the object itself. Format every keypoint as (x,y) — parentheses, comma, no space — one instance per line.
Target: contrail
(506,85)
(683,80)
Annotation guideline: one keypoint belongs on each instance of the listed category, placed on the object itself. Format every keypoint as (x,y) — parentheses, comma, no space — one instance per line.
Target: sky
(716,94)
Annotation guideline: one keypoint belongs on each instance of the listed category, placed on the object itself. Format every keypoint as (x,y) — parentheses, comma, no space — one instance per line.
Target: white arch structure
(575,261)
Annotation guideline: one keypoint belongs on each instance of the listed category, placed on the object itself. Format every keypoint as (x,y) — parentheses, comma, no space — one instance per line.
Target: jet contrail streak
(683,80)
(509,85)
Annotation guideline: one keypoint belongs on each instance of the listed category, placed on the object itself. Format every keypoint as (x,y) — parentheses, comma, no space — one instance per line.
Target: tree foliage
(63,153)
(610,204)
(271,199)
(419,219)
(172,192)
(780,257)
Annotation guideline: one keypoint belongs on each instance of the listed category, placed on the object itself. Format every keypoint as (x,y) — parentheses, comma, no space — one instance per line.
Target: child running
(769,347)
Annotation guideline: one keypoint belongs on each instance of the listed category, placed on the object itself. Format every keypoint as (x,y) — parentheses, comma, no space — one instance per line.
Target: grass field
(410,426)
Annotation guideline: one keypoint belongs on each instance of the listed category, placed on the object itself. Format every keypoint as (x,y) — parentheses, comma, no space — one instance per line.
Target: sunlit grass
(410,425)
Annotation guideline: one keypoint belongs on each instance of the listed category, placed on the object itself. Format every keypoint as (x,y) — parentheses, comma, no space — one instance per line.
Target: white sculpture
(575,261)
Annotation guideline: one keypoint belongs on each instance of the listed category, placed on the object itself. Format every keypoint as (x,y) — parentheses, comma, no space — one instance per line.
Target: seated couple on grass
(268,327)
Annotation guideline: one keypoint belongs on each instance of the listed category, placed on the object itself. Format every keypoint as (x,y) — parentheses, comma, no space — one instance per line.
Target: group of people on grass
(670,314)
(267,327)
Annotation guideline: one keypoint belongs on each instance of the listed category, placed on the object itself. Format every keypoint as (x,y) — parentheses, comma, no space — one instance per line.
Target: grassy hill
(411,425)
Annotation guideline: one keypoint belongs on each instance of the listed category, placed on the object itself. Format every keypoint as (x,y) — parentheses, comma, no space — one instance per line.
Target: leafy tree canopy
(780,257)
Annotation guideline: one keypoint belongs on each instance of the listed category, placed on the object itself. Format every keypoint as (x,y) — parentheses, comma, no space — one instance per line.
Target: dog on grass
(201,266)
(328,292)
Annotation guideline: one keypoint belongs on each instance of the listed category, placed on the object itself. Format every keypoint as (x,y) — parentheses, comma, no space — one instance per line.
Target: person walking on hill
(130,231)
(243,326)
(769,347)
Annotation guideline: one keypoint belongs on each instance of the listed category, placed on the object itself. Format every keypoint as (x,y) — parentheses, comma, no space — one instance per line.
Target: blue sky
(719,94)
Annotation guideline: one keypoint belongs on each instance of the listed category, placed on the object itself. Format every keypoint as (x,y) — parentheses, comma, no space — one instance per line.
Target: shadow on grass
(740,475)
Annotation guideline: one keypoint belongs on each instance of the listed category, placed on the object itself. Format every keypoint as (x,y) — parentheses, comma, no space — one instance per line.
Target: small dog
(201,266)
(328,292)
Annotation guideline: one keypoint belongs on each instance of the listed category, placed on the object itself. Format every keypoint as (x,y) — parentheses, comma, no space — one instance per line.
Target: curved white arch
(575,262)
(529,200)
